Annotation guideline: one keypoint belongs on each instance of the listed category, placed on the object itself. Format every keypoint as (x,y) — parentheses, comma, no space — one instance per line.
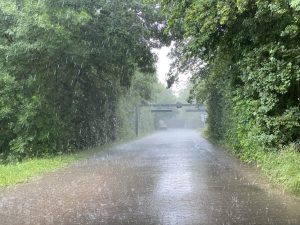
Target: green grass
(12,174)
(282,168)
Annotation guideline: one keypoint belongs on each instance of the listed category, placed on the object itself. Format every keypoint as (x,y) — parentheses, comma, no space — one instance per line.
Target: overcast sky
(163,66)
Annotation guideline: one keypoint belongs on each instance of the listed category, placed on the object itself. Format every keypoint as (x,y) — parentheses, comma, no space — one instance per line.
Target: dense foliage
(143,90)
(248,72)
(65,65)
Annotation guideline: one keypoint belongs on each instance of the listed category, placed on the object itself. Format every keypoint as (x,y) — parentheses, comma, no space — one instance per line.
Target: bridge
(165,108)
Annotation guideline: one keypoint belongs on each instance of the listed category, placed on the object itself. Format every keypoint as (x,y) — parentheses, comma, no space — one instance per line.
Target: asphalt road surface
(170,177)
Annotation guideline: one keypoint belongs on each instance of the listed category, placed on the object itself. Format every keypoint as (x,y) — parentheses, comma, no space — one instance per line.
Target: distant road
(170,177)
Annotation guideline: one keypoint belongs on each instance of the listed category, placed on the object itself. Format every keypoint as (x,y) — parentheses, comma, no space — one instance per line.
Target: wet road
(170,177)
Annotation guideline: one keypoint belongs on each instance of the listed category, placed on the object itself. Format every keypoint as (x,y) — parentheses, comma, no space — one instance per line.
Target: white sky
(163,66)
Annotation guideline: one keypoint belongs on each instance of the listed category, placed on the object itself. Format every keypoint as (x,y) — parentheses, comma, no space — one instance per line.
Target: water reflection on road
(170,177)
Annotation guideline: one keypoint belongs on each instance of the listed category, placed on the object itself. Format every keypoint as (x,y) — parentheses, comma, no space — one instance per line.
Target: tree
(250,78)
(63,64)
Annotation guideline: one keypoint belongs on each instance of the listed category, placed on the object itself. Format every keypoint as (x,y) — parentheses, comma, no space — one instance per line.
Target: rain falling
(149,112)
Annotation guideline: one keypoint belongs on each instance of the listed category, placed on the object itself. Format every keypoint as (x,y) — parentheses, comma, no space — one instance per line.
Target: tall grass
(282,167)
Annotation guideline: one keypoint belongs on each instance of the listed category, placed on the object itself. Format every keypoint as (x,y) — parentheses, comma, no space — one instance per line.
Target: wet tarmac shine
(170,177)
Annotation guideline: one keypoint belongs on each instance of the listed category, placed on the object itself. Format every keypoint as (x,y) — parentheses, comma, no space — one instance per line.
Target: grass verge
(15,173)
(12,174)
(282,168)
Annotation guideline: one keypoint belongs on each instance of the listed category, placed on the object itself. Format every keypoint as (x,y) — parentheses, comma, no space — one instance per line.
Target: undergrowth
(281,167)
